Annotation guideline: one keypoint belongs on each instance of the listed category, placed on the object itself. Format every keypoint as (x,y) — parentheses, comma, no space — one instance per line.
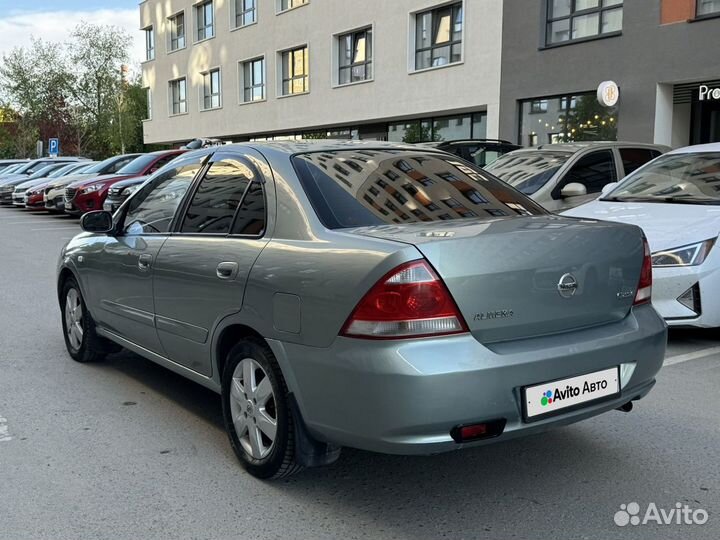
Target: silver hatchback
(368,295)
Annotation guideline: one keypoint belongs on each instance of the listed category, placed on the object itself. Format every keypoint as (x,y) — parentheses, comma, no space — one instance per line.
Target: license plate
(555,397)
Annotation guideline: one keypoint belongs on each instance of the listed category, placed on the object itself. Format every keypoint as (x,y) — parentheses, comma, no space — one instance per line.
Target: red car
(87,195)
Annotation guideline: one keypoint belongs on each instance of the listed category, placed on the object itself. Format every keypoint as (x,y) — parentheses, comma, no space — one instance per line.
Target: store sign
(608,93)
(707,93)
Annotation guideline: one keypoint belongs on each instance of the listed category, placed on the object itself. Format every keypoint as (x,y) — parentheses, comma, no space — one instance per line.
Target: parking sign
(54,147)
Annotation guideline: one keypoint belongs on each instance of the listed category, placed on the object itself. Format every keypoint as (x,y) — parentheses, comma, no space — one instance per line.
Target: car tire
(82,342)
(251,407)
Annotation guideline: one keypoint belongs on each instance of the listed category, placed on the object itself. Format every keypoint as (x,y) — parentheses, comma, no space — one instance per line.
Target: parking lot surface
(127,449)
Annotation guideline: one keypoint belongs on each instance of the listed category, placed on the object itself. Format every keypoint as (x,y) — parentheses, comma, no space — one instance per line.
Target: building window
(148,101)
(204,20)
(539,106)
(447,128)
(708,7)
(355,56)
(284,5)
(568,118)
(295,73)
(253,80)
(211,89)
(178,96)
(438,36)
(245,12)
(570,20)
(149,43)
(177,31)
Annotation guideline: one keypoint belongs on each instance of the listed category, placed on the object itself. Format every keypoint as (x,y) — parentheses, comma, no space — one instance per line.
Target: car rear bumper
(405,397)
(669,284)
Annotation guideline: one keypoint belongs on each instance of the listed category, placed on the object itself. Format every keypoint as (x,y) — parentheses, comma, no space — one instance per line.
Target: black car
(120,191)
(482,152)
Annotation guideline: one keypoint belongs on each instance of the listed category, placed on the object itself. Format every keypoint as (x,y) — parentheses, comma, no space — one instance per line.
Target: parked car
(86,195)
(43,178)
(560,176)
(7,189)
(370,295)
(120,191)
(54,198)
(7,163)
(33,166)
(481,152)
(675,200)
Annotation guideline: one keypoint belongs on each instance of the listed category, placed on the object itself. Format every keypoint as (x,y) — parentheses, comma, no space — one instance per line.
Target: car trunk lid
(523,277)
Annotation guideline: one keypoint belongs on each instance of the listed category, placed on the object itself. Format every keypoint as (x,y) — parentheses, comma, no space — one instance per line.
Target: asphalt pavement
(126,449)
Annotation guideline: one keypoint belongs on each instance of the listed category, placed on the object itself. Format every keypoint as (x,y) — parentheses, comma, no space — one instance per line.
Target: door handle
(144,262)
(227,270)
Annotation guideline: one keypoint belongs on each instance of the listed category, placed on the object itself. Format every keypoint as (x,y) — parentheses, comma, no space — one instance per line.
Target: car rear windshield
(377,187)
(677,178)
(528,171)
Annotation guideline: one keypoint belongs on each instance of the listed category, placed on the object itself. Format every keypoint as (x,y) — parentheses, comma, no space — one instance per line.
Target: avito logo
(549,397)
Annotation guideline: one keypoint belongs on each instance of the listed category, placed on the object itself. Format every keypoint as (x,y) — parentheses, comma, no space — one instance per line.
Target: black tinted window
(593,171)
(217,198)
(119,164)
(250,218)
(412,187)
(634,158)
(152,209)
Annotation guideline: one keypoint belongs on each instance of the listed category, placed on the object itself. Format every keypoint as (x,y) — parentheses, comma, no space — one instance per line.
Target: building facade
(663,55)
(412,70)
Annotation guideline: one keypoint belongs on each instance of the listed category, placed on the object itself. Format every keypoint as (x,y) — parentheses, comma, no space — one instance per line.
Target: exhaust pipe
(625,408)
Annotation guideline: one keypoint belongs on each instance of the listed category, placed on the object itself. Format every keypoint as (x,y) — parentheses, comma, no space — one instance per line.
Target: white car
(562,176)
(675,199)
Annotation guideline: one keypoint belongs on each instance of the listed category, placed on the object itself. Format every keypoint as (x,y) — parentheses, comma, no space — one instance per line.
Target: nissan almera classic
(368,295)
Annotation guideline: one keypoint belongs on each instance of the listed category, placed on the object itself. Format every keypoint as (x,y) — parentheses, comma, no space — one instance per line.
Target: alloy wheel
(73,319)
(253,408)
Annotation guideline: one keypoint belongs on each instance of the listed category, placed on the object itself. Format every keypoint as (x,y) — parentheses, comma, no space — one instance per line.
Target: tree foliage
(77,91)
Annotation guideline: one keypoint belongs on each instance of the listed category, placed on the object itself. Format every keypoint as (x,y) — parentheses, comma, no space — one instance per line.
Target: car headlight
(129,190)
(93,188)
(692,255)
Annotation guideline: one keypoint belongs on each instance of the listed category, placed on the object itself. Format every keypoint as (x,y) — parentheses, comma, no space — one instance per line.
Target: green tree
(98,53)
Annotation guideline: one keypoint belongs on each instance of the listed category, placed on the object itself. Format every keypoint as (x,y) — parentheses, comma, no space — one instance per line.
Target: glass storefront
(568,118)
(446,128)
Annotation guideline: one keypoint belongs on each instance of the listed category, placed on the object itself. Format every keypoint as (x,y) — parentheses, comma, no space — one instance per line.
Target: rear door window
(392,186)
(634,158)
(593,171)
(215,202)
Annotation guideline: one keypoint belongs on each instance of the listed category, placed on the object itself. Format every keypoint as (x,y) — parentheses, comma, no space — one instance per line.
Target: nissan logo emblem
(567,286)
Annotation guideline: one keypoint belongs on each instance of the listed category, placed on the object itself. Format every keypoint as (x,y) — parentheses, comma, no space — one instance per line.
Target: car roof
(290,148)
(710,147)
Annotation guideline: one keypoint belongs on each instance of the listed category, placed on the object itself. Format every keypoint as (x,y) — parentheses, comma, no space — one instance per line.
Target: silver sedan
(368,295)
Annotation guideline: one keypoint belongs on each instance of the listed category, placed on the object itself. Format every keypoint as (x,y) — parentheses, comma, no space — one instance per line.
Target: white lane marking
(4,432)
(696,355)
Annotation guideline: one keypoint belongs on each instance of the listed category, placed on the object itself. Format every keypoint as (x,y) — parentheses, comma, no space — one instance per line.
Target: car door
(121,274)
(593,170)
(201,271)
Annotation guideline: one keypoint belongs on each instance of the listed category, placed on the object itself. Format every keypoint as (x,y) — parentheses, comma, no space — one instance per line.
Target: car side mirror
(98,221)
(607,188)
(573,189)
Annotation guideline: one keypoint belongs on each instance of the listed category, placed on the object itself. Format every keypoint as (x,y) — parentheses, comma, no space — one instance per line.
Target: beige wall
(393,94)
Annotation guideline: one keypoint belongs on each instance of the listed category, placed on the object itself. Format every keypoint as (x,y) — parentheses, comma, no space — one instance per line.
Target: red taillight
(409,302)
(644,290)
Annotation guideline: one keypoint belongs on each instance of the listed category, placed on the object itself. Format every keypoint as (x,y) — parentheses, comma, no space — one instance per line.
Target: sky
(53,20)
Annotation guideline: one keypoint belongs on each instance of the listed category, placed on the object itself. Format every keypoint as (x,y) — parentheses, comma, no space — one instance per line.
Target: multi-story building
(376,69)
(662,56)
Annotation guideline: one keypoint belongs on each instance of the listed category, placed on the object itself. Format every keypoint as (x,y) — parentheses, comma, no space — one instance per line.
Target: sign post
(39,149)
(54,147)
